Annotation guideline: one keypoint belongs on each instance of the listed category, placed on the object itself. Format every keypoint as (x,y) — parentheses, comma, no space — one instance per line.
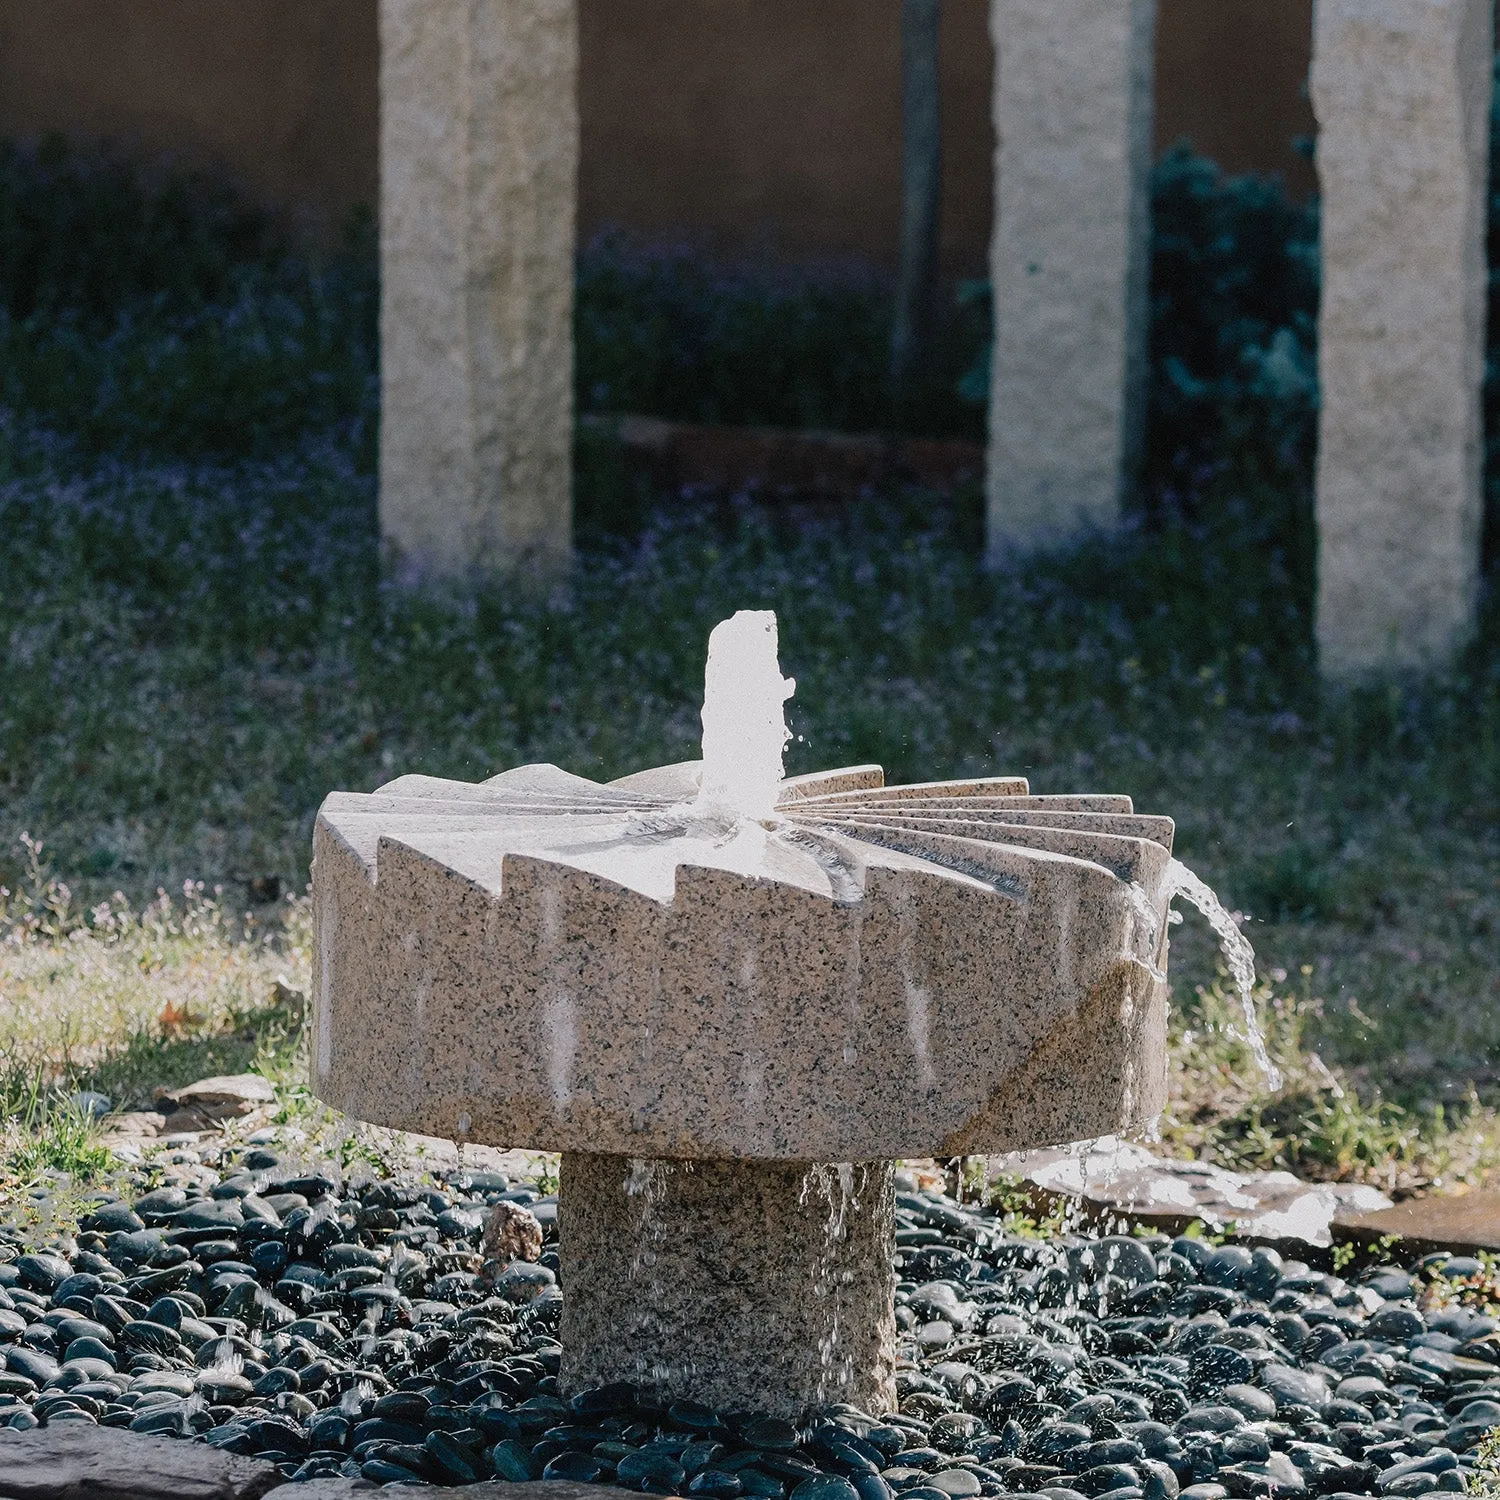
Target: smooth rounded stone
(1396,1325)
(42,1337)
(82,1284)
(167,1312)
(32,1364)
(111,1218)
(523,1283)
(1461,1268)
(1159,1479)
(1227,1266)
(1392,1283)
(75,1327)
(1290,1387)
(160,1201)
(84,1369)
(1103,1453)
(1364,1389)
(169,1382)
(1216,1365)
(956,1431)
(778,1262)
(148,1337)
(937,1301)
(717,1484)
(1055,1439)
(830,1487)
(455,1463)
(210,1213)
(1108,1479)
(1256,1404)
(960,1484)
(1245,1445)
(1481,1409)
(1097,1413)
(42,1272)
(149,1285)
(1115,1255)
(1194,1251)
(90,1349)
(773,1433)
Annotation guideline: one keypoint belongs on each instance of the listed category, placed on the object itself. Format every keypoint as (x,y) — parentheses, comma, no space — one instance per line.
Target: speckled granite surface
(764,1286)
(542,961)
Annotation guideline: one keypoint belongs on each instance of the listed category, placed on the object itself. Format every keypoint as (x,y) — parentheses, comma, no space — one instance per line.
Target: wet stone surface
(360,1333)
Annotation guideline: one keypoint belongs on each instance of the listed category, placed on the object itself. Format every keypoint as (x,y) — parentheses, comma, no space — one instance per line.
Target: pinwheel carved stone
(704,1011)
(878,972)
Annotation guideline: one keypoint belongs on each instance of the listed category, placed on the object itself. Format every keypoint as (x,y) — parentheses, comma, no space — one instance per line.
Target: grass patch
(47,1135)
(194,656)
(121,1000)
(196,645)
(1323,1124)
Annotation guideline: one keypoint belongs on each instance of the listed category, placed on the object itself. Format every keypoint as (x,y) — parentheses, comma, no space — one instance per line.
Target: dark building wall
(281,93)
(760,127)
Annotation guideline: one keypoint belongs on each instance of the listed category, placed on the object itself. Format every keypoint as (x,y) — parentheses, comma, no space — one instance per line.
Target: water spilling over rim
(1239,957)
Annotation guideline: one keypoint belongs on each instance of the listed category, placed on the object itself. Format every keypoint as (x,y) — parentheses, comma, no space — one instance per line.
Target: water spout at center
(744,721)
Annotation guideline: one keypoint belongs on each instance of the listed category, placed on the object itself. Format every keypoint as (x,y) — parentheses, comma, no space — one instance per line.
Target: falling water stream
(834,1184)
(1239,956)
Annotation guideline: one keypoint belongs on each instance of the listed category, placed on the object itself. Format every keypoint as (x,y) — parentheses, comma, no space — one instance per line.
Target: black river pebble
(344,1332)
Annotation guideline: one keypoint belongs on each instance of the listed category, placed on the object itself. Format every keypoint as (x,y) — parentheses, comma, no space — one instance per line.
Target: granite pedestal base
(750,1286)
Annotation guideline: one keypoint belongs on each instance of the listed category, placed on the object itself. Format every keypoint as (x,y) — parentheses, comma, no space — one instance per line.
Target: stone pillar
(1069,262)
(751,1286)
(478,171)
(1401,90)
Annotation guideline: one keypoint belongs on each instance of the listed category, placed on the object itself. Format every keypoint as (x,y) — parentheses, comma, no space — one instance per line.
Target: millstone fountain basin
(731,1001)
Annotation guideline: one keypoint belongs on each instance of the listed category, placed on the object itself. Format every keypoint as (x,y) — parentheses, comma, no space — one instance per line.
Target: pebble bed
(347,1331)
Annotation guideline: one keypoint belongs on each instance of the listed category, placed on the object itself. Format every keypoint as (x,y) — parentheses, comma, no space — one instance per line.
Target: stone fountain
(731,1001)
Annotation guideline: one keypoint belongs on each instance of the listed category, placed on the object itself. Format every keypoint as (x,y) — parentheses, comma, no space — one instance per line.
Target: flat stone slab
(495,1489)
(1115,1178)
(77,1461)
(1469,1222)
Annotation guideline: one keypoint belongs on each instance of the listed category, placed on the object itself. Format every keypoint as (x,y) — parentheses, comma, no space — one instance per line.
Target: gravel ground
(339,1329)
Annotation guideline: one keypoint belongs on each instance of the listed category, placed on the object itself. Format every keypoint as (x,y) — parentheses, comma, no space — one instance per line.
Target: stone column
(479,164)
(1069,262)
(1401,89)
(751,1286)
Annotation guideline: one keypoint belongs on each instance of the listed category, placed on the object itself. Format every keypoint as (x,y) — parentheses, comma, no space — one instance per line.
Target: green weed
(1484,1476)
(44,1134)
(122,1001)
(1321,1124)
